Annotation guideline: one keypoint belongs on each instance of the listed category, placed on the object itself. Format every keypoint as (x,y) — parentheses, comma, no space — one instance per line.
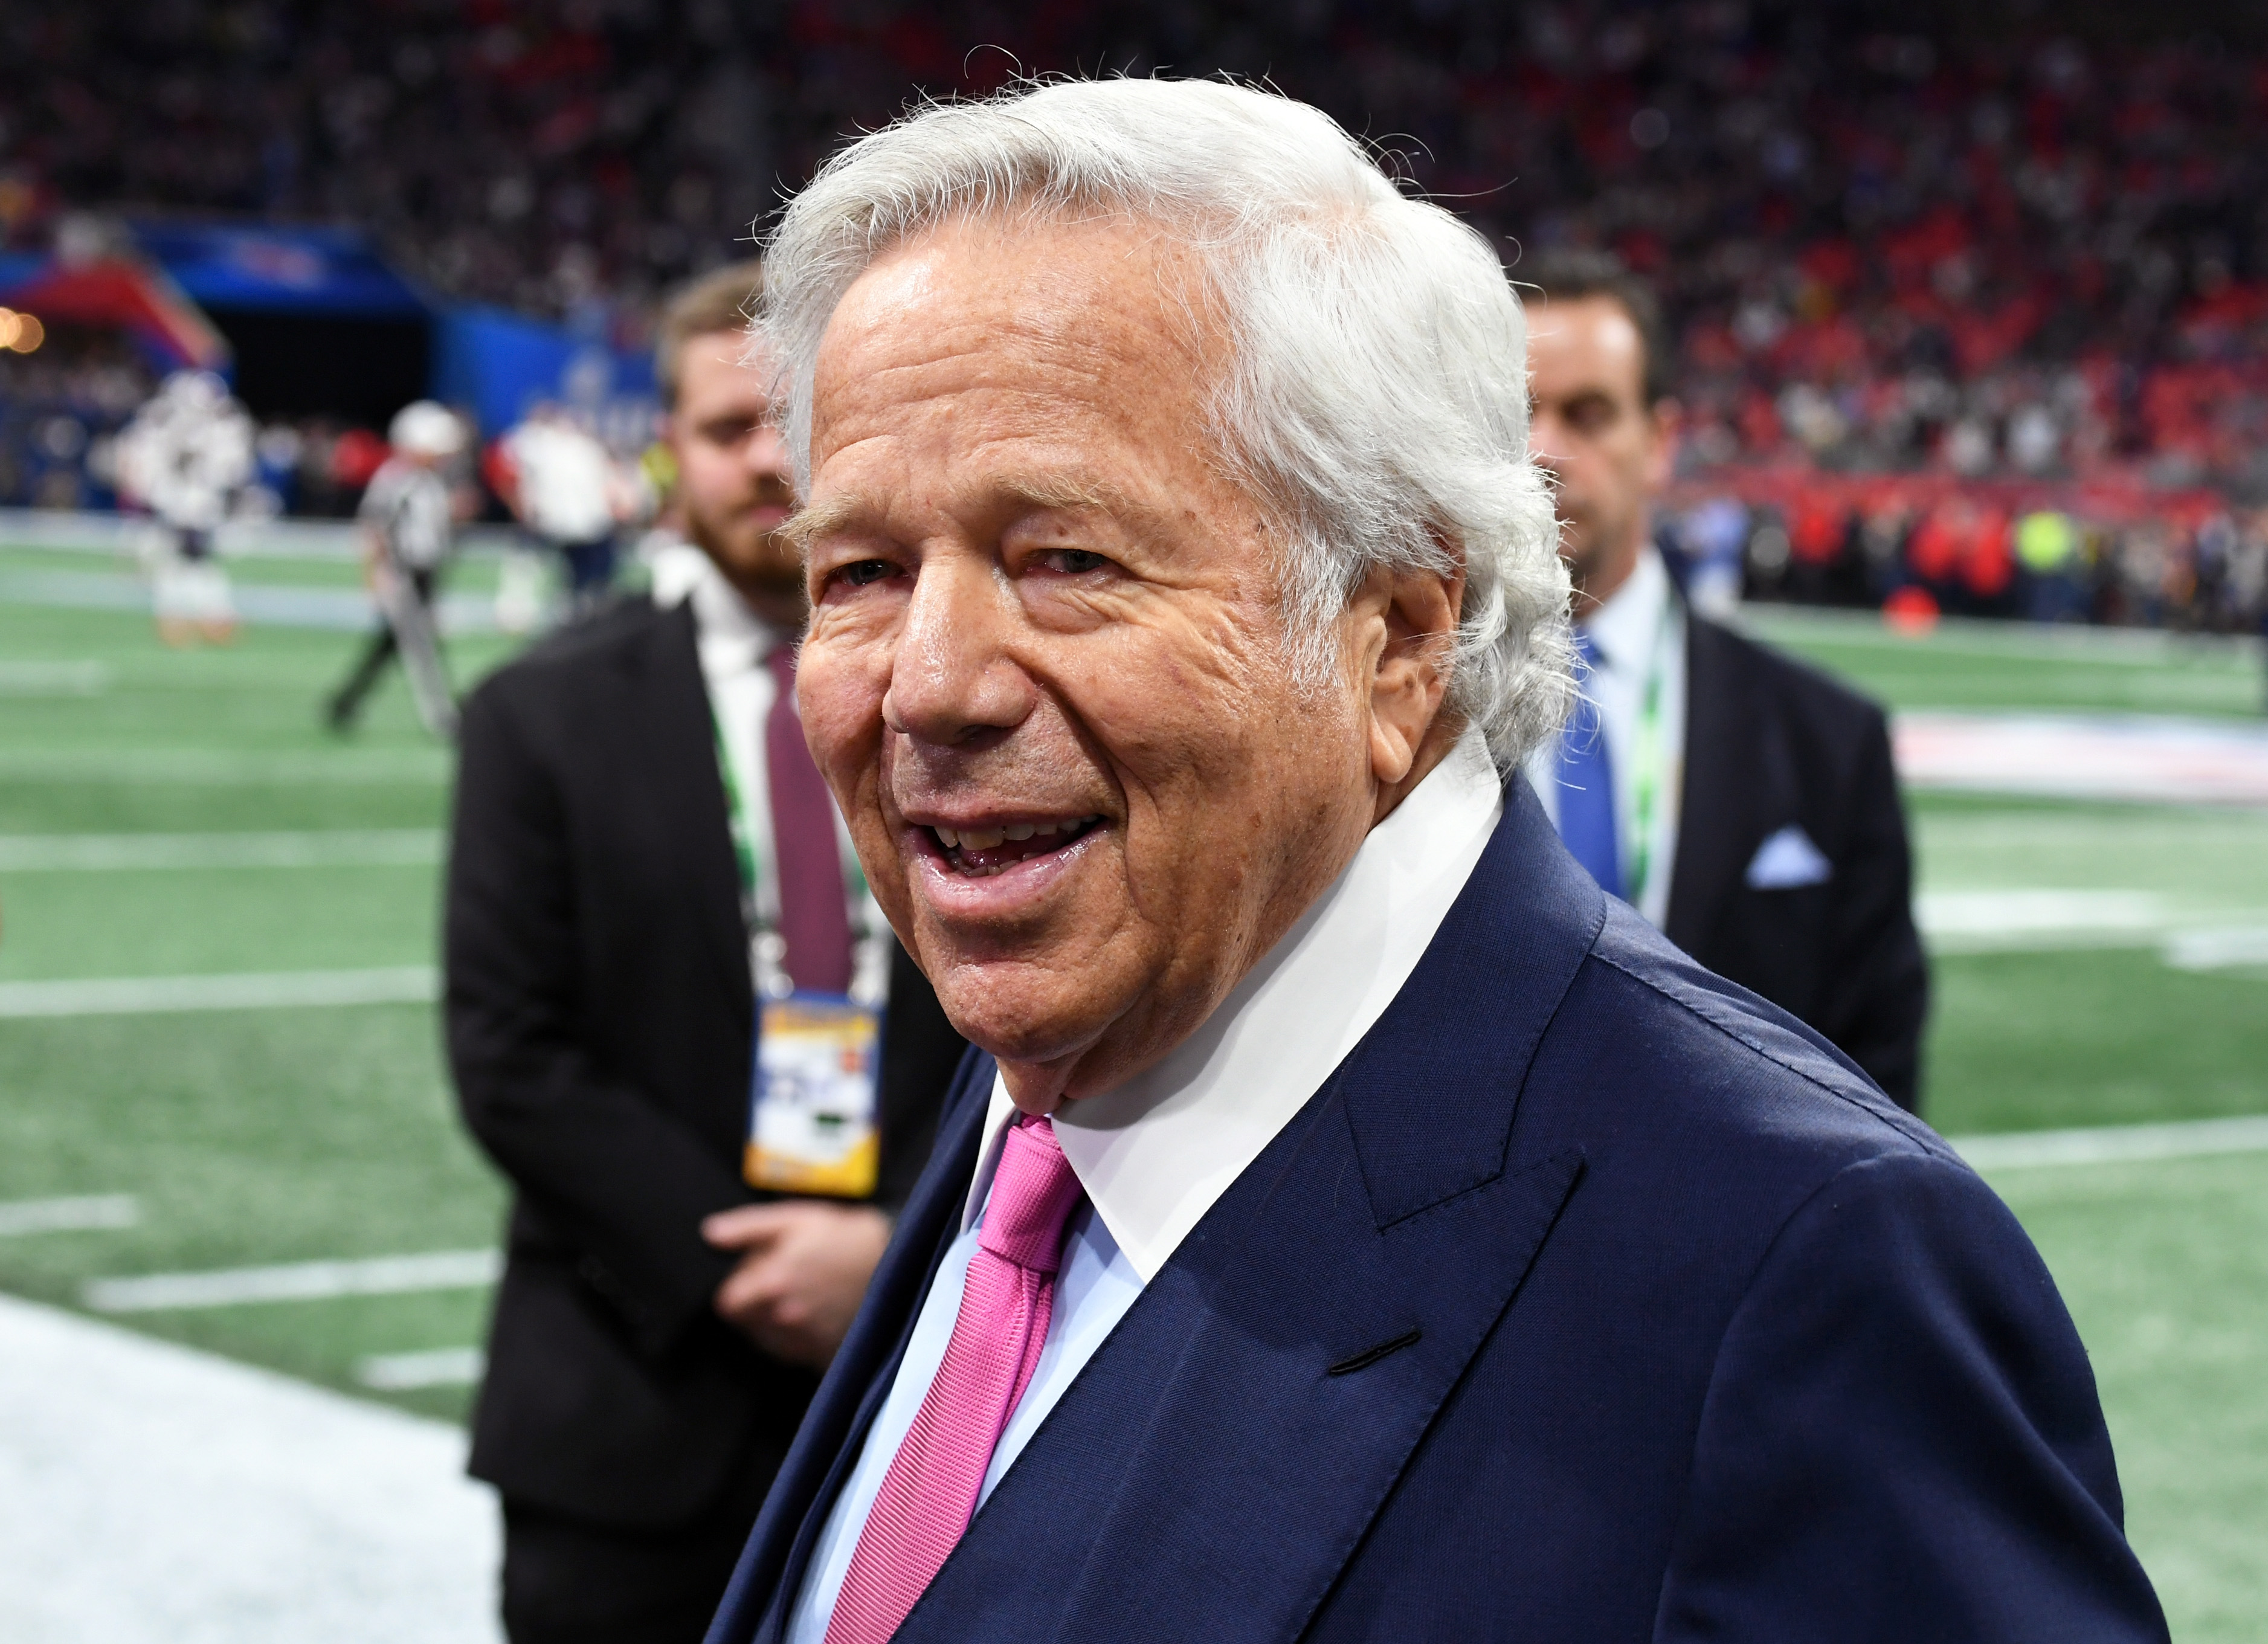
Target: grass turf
(256,1137)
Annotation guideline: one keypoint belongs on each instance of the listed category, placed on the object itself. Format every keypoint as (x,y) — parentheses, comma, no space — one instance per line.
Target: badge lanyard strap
(736,816)
(1647,790)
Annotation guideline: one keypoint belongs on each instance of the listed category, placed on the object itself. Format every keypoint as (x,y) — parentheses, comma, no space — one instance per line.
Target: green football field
(218,1060)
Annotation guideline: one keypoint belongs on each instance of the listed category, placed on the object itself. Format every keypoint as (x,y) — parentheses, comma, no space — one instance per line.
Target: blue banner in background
(492,362)
(499,365)
(281,270)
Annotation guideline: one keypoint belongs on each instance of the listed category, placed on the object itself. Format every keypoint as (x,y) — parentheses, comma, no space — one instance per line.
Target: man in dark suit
(1742,801)
(1358,1226)
(659,1330)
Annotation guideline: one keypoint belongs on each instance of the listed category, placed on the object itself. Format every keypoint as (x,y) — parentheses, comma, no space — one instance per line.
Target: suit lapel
(1717,805)
(672,720)
(1218,1461)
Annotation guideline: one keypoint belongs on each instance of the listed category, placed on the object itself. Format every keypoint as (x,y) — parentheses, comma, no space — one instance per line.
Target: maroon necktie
(813,920)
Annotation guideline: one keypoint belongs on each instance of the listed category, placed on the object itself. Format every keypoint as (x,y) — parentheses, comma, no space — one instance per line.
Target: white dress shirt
(734,642)
(1638,634)
(1155,1153)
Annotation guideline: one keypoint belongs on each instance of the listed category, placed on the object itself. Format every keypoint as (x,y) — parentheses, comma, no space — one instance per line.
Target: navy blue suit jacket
(1592,1298)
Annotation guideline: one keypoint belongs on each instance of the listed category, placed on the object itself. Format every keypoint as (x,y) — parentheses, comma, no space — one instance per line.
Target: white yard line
(134,996)
(22,1216)
(225,768)
(40,678)
(107,853)
(2236,947)
(2045,921)
(150,1495)
(404,1372)
(2114,1144)
(296,1281)
(284,605)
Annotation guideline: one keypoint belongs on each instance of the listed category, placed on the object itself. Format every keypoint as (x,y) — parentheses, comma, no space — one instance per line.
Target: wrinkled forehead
(1087,322)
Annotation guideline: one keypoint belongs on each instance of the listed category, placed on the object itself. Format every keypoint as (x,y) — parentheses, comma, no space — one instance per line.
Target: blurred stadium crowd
(1986,319)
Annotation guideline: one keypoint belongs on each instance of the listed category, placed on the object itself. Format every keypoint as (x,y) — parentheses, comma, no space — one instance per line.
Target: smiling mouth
(981,852)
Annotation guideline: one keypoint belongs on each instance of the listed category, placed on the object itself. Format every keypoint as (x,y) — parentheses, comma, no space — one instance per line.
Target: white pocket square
(1788,859)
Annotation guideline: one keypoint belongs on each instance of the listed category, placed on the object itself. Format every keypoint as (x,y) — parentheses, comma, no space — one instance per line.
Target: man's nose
(954,679)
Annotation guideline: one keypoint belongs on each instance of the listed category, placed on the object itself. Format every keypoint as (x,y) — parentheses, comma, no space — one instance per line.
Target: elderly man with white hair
(1353,1224)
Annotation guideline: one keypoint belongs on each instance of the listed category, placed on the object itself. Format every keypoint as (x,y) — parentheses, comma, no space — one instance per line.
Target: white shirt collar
(732,636)
(1624,625)
(1156,1152)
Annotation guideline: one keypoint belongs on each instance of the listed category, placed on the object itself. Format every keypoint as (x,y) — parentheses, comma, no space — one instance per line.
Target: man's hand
(804,1267)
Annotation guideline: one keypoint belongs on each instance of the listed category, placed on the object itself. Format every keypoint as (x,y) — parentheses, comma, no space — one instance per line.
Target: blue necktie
(1586,784)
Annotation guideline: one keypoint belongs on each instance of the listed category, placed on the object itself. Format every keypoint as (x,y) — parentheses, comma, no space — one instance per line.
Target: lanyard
(736,815)
(1648,758)
(1647,792)
(767,948)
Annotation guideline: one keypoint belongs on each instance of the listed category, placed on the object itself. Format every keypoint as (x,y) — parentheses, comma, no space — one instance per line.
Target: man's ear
(1419,609)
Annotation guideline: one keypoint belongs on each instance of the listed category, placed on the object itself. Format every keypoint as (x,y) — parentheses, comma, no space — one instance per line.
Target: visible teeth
(989,838)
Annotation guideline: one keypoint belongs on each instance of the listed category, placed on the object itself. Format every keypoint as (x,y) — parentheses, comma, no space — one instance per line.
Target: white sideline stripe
(103,852)
(296,1281)
(153,1494)
(134,996)
(2114,1144)
(21,1216)
(404,1372)
(2156,759)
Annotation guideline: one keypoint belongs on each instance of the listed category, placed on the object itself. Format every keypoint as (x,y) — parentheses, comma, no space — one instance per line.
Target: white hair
(1376,393)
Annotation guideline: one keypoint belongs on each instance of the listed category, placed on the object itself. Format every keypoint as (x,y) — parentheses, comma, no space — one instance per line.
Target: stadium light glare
(29,333)
(11,327)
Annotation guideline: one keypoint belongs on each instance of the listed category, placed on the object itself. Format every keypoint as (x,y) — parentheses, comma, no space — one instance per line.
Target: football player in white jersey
(184,456)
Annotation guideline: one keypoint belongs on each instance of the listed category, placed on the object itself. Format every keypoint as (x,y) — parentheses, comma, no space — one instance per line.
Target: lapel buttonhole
(1369,1356)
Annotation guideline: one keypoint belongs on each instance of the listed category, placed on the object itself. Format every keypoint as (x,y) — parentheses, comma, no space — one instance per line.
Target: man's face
(1592,427)
(734,483)
(1045,673)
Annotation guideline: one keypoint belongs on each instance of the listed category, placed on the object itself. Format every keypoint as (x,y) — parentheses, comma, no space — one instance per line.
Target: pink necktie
(930,1492)
(813,921)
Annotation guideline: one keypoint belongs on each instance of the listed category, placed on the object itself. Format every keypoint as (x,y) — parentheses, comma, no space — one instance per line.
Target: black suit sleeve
(1901,1439)
(1875,993)
(606,1168)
